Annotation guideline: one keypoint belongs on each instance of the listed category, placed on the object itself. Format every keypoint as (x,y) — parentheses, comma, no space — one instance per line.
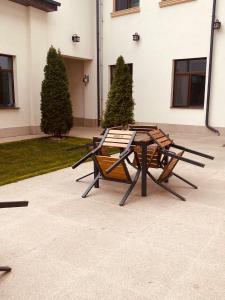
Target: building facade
(169,59)
(27,31)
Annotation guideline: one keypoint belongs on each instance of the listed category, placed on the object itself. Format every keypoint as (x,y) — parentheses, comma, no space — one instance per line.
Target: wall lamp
(136,37)
(217,24)
(75,38)
(86,79)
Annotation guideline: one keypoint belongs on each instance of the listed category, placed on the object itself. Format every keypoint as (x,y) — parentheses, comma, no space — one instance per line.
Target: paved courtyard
(158,247)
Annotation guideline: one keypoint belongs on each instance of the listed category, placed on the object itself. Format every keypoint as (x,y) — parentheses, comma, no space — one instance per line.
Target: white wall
(179,31)
(75,73)
(14,31)
(27,33)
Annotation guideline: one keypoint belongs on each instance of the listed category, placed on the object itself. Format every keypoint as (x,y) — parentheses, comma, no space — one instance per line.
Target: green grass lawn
(28,158)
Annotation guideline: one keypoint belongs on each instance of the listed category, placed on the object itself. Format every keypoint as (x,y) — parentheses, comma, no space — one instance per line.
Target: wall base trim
(189,129)
(19,131)
(82,122)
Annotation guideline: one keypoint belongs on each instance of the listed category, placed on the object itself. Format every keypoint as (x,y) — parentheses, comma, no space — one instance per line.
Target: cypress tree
(120,103)
(56,109)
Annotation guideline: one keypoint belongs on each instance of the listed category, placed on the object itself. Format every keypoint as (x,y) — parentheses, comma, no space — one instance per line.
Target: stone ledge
(125,12)
(165,3)
(9,107)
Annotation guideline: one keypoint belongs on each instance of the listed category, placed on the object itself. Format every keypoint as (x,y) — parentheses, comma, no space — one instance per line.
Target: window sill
(8,107)
(166,3)
(187,107)
(125,12)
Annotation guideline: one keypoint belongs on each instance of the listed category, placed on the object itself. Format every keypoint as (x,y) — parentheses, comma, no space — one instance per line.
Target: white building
(170,61)
(27,29)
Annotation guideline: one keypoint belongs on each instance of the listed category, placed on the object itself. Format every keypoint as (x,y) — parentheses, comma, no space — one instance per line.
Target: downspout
(210,70)
(98,61)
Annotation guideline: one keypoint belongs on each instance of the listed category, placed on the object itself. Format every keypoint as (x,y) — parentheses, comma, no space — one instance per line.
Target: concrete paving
(158,247)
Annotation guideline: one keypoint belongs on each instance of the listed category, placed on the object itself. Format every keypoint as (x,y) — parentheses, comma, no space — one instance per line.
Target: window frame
(12,73)
(128,6)
(189,75)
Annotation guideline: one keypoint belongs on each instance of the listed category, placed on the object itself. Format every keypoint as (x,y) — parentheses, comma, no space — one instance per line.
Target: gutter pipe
(98,61)
(210,70)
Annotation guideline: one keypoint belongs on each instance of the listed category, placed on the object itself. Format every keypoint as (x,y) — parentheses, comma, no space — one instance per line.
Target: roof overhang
(45,5)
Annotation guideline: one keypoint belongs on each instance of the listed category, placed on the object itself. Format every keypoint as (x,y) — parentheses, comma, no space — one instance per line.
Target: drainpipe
(210,70)
(98,61)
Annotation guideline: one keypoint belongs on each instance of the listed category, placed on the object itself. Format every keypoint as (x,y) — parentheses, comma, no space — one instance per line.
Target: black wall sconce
(217,24)
(136,37)
(86,79)
(75,38)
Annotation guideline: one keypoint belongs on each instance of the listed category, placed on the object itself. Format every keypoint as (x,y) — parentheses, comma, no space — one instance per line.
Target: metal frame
(169,153)
(160,183)
(10,204)
(100,176)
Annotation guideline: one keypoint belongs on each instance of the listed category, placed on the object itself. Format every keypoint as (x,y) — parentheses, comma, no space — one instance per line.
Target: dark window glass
(134,3)
(182,66)
(189,83)
(5,62)
(197,65)
(197,90)
(125,4)
(113,70)
(6,81)
(181,90)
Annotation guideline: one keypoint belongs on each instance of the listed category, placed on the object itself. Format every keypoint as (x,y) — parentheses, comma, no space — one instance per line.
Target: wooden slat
(119,136)
(169,168)
(166,143)
(126,132)
(118,173)
(119,145)
(163,139)
(124,141)
(157,135)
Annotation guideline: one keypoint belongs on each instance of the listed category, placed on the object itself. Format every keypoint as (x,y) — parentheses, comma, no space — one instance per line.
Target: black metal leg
(185,180)
(90,186)
(172,192)
(166,162)
(144,170)
(165,187)
(78,179)
(95,166)
(5,269)
(130,188)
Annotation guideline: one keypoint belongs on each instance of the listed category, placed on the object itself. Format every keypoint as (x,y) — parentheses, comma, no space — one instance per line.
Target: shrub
(56,109)
(120,103)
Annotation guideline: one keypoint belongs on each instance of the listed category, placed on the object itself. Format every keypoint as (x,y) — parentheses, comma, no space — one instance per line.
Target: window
(189,82)
(6,81)
(125,4)
(113,69)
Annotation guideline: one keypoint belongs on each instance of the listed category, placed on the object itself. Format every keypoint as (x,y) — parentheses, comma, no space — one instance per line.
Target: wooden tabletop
(140,138)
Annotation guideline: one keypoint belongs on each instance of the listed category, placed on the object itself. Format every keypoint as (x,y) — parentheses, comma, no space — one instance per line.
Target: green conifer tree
(56,109)
(120,103)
